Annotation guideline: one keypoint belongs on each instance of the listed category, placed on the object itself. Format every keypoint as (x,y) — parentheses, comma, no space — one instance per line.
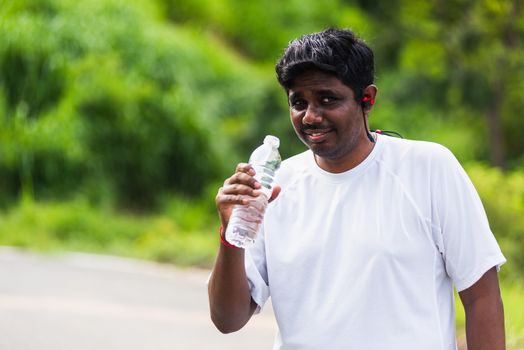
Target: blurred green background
(119,120)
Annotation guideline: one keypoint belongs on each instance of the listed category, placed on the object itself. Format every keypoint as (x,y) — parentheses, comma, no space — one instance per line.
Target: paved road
(80,301)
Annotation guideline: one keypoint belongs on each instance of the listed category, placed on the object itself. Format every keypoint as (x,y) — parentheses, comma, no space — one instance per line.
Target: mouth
(317,135)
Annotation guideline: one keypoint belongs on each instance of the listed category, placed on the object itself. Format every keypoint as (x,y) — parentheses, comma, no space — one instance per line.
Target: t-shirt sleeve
(467,244)
(256,271)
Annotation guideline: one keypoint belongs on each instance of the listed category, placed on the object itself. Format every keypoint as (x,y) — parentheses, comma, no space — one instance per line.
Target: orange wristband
(223,239)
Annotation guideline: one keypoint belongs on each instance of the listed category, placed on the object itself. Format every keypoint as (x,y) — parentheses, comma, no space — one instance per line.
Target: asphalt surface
(81,301)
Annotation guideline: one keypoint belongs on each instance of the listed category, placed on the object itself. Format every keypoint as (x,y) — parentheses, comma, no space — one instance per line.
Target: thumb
(275,193)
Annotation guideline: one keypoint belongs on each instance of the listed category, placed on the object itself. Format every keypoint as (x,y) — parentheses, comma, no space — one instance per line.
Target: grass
(77,226)
(513,296)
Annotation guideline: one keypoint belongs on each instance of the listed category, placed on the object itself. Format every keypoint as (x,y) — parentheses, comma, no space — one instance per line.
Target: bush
(79,226)
(503,198)
(102,97)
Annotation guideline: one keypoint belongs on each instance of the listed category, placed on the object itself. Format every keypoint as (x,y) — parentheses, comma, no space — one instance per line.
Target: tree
(471,55)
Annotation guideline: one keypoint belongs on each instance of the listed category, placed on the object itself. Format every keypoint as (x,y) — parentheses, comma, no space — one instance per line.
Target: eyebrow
(327,91)
(291,95)
(324,91)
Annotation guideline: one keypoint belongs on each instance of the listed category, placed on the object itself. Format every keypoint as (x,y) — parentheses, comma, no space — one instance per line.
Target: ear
(368,97)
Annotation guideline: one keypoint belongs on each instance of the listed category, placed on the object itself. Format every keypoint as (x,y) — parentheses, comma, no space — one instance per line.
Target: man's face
(327,118)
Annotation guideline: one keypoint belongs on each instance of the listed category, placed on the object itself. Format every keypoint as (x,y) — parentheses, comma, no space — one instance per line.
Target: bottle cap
(272,140)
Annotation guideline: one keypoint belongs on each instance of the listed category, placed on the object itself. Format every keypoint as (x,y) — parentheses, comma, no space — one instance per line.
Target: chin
(324,151)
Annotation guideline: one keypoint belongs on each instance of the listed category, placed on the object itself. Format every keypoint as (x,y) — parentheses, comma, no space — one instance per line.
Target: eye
(298,104)
(326,100)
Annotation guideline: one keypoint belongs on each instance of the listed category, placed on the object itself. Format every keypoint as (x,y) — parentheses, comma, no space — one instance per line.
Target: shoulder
(415,152)
(294,173)
(293,166)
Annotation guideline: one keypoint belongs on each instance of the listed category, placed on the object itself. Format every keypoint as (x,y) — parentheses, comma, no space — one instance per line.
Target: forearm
(484,313)
(485,324)
(229,296)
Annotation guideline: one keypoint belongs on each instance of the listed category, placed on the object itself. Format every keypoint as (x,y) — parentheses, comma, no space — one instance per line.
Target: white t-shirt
(367,259)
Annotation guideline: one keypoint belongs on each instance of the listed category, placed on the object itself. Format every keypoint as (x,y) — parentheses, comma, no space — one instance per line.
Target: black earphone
(367,102)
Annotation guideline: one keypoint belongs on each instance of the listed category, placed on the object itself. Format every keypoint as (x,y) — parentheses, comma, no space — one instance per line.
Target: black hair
(335,51)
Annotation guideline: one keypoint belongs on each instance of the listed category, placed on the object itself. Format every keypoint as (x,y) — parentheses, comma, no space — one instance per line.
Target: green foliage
(395,110)
(72,225)
(503,199)
(467,56)
(79,226)
(513,297)
(128,101)
(103,98)
(261,29)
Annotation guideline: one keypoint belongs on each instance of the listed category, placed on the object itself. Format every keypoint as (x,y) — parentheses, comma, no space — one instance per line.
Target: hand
(239,189)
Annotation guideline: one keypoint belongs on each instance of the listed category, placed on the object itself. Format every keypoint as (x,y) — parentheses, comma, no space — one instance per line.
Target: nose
(312,115)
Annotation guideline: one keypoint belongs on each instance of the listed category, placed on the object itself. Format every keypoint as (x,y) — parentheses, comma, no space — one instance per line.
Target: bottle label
(267,172)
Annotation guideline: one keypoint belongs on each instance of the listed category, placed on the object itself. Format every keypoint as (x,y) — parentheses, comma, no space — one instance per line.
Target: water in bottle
(246,219)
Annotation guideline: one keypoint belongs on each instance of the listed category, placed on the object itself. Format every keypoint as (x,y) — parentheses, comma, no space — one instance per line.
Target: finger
(240,189)
(245,168)
(231,199)
(244,179)
(275,193)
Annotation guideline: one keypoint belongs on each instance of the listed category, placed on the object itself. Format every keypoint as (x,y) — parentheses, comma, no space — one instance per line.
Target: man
(366,234)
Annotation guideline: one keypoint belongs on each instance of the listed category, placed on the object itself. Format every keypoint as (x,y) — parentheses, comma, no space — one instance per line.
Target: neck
(349,160)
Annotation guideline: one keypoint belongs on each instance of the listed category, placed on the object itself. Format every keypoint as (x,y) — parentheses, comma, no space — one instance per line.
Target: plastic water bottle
(245,220)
